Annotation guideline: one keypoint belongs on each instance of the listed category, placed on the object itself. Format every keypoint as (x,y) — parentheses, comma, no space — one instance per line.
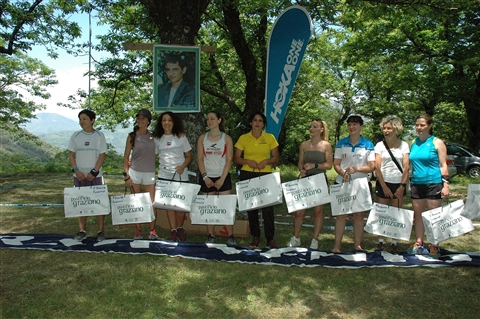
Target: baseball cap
(146,113)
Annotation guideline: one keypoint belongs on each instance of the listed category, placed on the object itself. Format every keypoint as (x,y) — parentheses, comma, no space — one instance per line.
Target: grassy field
(44,284)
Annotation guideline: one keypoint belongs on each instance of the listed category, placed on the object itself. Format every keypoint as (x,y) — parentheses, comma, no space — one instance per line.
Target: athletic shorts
(86,182)
(142,178)
(227,185)
(392,186)
(427,191)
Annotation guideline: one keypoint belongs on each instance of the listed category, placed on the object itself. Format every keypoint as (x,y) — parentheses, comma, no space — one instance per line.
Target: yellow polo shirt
(257,149)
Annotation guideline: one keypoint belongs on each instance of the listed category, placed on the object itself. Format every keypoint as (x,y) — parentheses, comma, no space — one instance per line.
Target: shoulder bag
(407,188)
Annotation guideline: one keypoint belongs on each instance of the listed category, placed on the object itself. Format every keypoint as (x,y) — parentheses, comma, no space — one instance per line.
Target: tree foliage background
(370,57)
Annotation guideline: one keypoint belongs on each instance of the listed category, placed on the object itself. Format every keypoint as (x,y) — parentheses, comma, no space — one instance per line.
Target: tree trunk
(178,23)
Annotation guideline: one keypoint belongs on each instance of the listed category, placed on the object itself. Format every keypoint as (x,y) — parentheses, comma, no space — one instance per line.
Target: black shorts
(227,185)
(427,191)
(392,186)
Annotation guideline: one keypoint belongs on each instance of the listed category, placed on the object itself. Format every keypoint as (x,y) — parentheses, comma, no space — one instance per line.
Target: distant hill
(47,123)
(22,144)
(57,130)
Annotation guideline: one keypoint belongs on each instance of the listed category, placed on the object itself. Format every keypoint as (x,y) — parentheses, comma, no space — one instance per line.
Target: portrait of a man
(176,82)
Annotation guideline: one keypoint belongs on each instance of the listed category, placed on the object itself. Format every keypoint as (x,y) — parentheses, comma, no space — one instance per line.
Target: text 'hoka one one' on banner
(286,47)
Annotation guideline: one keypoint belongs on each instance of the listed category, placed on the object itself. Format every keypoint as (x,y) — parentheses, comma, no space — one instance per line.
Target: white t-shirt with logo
(171,151)
(354,155)
(87,148)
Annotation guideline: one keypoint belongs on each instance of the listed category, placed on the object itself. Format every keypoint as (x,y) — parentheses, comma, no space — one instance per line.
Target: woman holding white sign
(214,156)
(428,156)
(391,169)
(315,157)
(139,163)
(354,158)
(174,153)
(260,152)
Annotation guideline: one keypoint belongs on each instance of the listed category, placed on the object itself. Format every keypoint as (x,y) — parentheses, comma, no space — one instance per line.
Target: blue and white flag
(286,47)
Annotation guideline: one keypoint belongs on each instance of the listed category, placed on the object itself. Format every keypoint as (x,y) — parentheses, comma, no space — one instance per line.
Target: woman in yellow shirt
(260,152)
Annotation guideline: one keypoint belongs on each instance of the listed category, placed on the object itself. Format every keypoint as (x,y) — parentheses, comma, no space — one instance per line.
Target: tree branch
(18,27)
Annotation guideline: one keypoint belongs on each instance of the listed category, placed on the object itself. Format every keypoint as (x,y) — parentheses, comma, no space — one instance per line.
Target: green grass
(44,284)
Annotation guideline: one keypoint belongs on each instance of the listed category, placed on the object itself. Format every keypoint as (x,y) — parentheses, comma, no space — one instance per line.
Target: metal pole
(89,53)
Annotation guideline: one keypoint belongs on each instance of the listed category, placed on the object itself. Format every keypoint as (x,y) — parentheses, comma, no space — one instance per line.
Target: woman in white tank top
(214,156)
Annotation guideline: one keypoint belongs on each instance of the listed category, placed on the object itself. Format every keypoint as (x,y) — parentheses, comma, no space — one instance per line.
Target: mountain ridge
(57,129)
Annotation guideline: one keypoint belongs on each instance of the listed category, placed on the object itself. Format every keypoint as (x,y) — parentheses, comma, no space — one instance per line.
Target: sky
(69,69)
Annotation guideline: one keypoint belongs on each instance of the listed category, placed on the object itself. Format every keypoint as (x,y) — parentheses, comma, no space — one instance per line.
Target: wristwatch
(316,166)
(125,174)
(74,169)
(94,172)
(404,185)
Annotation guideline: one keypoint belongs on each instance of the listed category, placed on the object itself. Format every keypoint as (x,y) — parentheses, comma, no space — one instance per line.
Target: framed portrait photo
(176,78)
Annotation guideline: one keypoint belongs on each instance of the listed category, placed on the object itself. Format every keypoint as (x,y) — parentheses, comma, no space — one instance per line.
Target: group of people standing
(256,151)
(427,156)
(355,157)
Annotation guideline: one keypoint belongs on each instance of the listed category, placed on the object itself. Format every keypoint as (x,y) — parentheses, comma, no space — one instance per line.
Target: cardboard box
(241,228)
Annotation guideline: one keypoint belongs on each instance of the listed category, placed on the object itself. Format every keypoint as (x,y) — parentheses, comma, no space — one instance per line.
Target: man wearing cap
(139,163)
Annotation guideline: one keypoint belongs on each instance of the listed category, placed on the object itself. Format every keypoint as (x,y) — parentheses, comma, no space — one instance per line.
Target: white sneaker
(314,244)
(294,242)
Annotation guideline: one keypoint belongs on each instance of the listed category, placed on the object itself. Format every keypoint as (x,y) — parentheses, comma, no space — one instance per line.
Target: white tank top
(214,155)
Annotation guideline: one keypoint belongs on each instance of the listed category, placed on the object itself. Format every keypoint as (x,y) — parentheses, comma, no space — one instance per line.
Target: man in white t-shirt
(88,149)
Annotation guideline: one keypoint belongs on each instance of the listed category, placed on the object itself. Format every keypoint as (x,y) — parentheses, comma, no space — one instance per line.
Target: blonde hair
(324,134)
(396,123)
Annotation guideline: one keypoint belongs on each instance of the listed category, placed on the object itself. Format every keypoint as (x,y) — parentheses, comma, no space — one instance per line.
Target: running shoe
(210,239)
(231,241)
(416,248)
(380,247)
(81,236)
(153,235)
(181,234)
(255,242)
(173,235)
(314,244)
(138,235)
(272,244)
(393,249)
(100,236)
(294,242)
